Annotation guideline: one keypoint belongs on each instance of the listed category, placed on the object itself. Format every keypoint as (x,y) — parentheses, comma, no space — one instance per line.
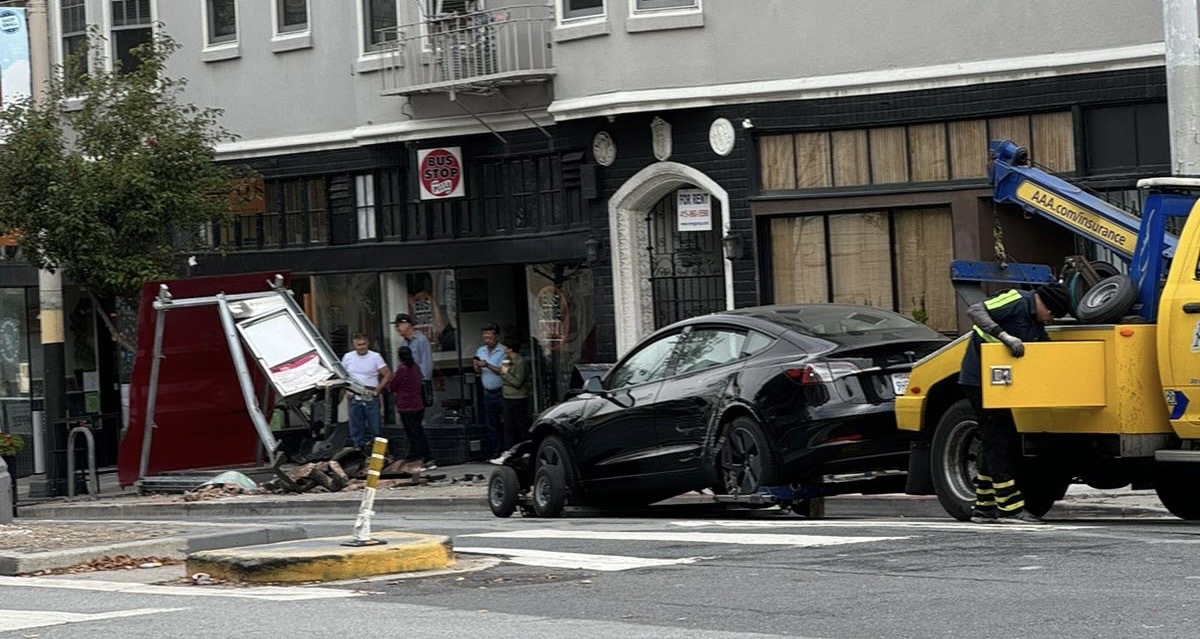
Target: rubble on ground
(119,562)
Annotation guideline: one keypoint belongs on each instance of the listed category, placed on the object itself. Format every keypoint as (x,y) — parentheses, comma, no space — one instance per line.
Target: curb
(16,563)
(326,559)
(233,508)
(839,506)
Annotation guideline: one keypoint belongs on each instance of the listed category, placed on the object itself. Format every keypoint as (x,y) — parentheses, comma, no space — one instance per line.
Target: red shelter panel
(200,414)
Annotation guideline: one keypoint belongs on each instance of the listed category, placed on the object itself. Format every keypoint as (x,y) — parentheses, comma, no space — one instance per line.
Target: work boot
(1019,517)
(984,515)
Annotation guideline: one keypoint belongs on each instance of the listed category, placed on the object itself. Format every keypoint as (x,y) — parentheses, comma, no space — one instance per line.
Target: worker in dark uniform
(1011,318)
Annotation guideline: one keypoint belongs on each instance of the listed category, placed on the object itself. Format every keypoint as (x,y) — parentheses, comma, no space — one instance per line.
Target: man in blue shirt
(416,342)
(489,359)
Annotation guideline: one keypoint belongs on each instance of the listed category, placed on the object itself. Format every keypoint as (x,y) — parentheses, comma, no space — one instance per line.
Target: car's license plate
(899,383)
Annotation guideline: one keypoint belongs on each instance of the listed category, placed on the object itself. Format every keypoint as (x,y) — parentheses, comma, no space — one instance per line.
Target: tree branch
(117,336)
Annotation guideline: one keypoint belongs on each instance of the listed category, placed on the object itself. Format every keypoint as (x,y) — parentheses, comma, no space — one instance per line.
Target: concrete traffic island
(325,559)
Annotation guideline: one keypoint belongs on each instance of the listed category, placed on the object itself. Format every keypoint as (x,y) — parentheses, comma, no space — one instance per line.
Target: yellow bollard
(362,524)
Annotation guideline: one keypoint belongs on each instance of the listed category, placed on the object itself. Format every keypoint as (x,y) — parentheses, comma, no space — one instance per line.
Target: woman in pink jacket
(406,390)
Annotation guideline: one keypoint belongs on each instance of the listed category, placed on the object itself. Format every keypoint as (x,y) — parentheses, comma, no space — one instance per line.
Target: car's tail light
(821,372)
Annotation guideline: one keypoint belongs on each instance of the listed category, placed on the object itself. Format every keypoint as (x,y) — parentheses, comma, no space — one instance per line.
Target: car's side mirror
(594,386)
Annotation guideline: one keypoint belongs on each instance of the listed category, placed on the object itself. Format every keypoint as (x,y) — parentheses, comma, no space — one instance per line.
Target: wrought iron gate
(687,272)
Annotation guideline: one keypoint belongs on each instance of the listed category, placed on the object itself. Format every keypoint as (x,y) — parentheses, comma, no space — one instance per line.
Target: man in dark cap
(1011,318)
(422,353)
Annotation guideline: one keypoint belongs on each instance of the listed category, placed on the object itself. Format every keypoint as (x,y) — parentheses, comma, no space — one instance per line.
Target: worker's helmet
(1056,298)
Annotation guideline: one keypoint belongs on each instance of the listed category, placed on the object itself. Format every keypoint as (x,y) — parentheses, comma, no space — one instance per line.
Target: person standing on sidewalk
(366,367)
(1011,318)
(488,360)
(514,374)
(416,341)
(406,392)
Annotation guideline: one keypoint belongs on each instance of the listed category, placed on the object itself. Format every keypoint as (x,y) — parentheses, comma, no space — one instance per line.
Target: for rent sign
(694,208)
(440,172)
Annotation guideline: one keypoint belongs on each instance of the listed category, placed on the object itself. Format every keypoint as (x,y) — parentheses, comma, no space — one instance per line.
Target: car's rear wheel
(747,461)
(954,459)
(549,491)
(503,489)
(553,453)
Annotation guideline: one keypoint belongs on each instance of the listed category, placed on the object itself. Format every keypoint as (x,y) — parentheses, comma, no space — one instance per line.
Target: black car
(740,402)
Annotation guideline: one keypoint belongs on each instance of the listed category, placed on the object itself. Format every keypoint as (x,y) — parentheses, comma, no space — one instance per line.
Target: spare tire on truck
(1107,301)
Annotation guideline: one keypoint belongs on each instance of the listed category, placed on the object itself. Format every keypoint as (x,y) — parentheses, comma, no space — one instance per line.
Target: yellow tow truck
(1112,399)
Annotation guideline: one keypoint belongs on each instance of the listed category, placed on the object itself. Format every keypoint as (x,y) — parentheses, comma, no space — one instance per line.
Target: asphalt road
(689,573)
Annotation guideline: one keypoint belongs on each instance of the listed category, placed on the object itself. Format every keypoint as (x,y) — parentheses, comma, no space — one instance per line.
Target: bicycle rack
(91,451)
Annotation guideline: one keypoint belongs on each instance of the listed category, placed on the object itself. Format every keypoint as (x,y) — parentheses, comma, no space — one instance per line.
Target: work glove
(1015,346)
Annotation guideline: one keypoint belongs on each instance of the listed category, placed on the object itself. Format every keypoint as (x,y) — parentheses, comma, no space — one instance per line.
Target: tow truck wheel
(954,459)
(1176,488)
(1107,301)
(503,489)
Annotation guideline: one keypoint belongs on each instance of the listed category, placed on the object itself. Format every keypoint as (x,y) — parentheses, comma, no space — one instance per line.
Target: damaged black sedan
(775,401)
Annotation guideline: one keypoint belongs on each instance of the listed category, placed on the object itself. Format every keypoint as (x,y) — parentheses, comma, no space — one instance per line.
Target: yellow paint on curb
(325,559)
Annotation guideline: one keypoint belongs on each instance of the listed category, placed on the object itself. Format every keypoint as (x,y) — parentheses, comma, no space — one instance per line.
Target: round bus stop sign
(440,173)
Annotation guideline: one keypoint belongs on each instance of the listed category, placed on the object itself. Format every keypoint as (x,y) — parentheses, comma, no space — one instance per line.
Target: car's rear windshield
(847,325)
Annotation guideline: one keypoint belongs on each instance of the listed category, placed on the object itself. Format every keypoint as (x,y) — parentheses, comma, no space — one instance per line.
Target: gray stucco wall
(749,40)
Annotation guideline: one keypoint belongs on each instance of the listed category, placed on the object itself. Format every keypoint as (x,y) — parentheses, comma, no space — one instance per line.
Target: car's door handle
(1191,307)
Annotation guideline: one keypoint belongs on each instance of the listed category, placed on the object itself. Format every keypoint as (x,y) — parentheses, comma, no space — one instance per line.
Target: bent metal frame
(289,350)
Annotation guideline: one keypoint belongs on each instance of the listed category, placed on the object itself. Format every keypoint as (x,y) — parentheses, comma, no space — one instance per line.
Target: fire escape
(476,53)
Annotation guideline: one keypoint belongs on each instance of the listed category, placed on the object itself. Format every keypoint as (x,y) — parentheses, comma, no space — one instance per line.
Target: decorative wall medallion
(660,133)
(720,136)
(604,149)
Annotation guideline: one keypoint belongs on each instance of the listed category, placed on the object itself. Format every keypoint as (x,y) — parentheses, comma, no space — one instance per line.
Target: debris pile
(120,562)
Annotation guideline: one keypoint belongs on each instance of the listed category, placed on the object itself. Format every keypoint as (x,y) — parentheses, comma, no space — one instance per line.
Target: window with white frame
(652,5)
(572,9)
(221,21)
(132,26)
(291,16)
(443,7)
(380,20)
(364,205)
(72,17)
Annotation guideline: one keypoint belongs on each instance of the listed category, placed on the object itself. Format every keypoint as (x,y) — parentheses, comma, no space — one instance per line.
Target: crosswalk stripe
(574,560)
(745,539)
(881,523)
(266,593)
(25,619)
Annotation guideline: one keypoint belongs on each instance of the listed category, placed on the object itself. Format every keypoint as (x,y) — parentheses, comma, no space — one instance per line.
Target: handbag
(427,392)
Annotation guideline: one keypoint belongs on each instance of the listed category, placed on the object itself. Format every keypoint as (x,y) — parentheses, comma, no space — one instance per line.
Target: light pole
(50,299)
(1181,36)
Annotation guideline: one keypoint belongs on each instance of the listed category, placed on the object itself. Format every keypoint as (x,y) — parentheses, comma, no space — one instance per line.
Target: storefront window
(431,298)
(562,327)
(345,305)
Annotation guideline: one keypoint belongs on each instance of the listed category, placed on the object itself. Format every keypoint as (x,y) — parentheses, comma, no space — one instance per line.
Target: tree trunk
(118,337)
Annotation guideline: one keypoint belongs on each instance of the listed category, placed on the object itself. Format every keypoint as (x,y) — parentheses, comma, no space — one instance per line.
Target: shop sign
(694,209)
(440,172)
(553,317)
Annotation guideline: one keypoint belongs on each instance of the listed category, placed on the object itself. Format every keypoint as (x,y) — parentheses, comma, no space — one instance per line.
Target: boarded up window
(927,148)
(1054,141)
(860,259)
(850,158)
(1015,128)
(968,149)
(778,161)
(813,161)
(924,249)
(889,155)
(798,260)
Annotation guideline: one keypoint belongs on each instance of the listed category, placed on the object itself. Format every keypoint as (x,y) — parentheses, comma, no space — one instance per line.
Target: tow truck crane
(1109,401)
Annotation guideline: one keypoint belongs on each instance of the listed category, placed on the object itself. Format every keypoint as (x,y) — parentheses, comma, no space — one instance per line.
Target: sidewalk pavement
(109,517)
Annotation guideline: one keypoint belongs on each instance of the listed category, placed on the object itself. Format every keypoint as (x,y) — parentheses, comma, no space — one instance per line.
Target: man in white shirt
(367,368)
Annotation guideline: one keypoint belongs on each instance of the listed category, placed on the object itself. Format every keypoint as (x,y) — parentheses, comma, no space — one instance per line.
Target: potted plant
(10,445)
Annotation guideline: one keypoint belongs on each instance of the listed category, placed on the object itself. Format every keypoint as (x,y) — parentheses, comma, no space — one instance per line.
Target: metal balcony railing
(469,52)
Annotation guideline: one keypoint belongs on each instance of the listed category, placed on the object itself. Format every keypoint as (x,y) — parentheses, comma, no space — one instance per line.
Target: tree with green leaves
(111,177)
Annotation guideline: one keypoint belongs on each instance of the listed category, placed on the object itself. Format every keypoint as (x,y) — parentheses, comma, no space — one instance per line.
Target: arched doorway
(630,235)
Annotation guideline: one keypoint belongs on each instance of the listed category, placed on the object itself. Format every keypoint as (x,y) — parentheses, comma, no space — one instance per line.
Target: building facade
(582,172)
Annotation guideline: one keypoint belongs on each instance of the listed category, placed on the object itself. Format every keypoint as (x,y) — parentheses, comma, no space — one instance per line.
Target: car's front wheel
(746,460)
(954,459)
